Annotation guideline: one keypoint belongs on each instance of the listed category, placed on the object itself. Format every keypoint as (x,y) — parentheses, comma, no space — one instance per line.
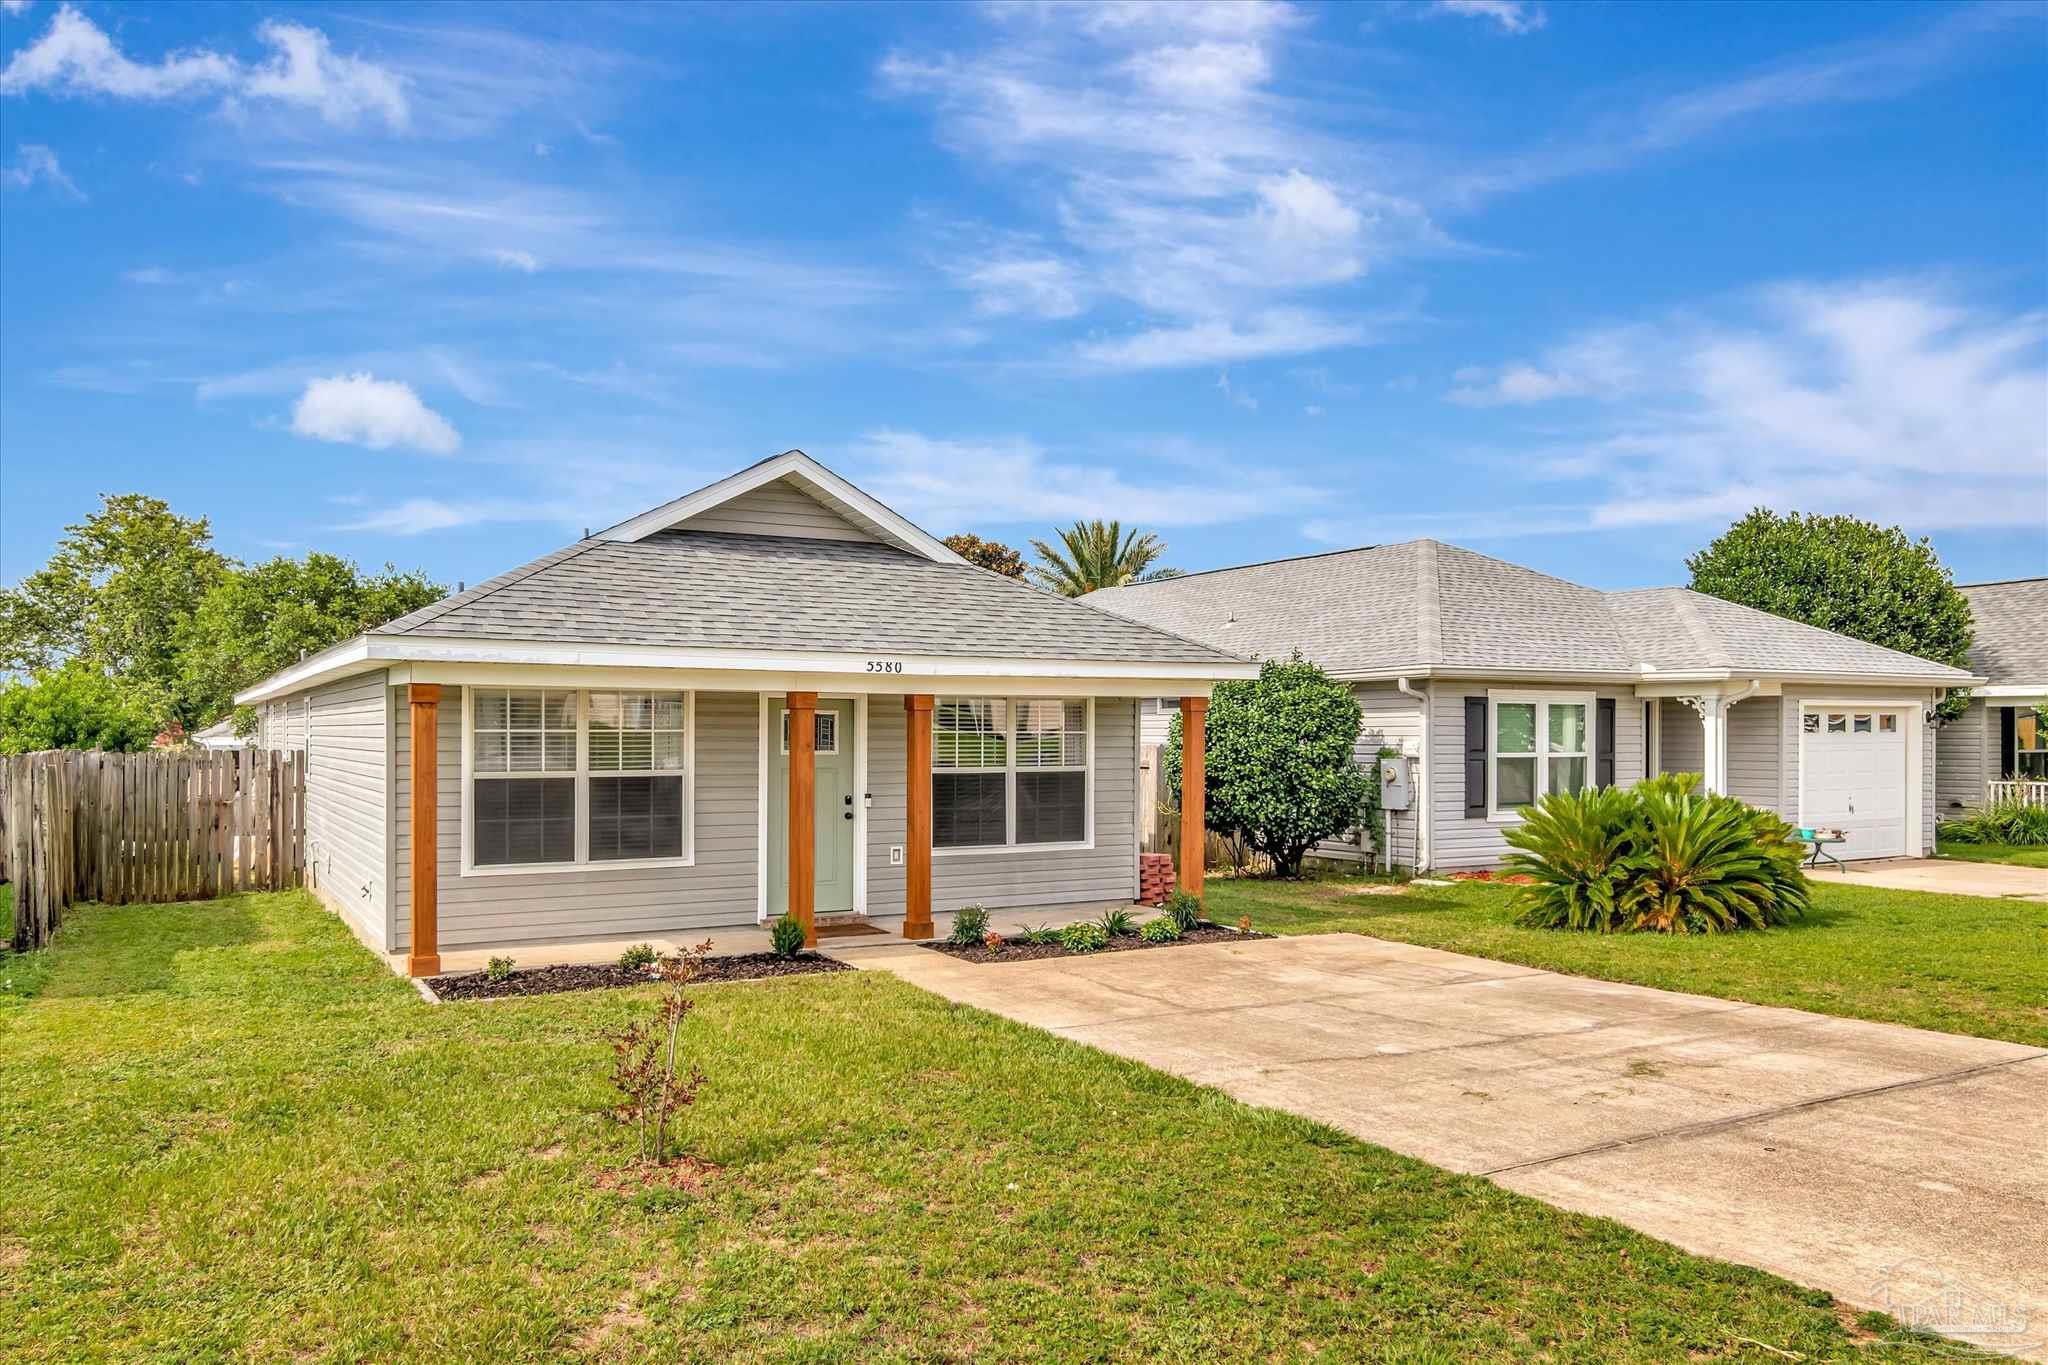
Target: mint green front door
(836,811)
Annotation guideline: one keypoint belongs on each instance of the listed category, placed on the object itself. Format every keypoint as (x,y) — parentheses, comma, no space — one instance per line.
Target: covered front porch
(816,802)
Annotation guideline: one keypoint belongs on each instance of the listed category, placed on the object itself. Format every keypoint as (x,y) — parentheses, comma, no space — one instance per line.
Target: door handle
(848,815)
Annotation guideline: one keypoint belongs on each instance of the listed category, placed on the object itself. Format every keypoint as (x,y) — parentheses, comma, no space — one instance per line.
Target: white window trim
(1543,700)
(582,774)
(1010,847)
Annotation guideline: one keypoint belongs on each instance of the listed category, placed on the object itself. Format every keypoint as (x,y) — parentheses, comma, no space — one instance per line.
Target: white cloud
(953,484)
(75,57)
(1513,16)
(359,409)
(1174,169)
(523,261)
(34,162)
(151,275)
(1893,399)
(1312,410)
(16,6)
(418,516)
(1284,331)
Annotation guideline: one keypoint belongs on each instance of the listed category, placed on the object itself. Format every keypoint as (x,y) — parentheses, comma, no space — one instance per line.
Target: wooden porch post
(803,812)
(1194,834)
(917,854)
(425,956)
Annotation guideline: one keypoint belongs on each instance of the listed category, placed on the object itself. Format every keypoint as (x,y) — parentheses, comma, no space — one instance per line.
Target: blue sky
(1570,284)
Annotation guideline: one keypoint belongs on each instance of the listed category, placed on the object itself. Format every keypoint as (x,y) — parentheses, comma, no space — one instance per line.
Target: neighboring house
(2001,736)
(599,744)
(1503,683)
(220,735)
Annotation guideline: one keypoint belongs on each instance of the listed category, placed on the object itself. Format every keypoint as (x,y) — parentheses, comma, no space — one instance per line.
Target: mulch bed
(1014,951)
(1506,878)
(599,976)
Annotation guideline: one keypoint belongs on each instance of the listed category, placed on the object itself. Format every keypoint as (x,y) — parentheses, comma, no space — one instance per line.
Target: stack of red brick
(1155,878)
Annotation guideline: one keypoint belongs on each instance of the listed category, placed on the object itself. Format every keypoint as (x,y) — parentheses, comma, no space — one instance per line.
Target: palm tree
(1098,555)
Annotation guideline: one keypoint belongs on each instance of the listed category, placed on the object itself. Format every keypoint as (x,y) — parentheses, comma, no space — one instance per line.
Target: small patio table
(1818,840)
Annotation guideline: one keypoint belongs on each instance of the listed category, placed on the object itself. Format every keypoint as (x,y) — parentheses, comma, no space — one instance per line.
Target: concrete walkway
(1896,1168)
(1945,876)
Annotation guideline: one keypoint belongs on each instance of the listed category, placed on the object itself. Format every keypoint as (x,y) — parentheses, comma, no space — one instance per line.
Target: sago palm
(1098,554)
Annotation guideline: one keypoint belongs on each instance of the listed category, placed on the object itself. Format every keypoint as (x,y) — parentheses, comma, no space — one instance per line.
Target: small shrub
(993,941)
(970,926)
(1660,857)
(1118,922)
(786,937)
(1085,936)
(2005,822)
(637,958)
(1244,924)
(1039,937)
(498,969)
(652,1085)
(1184,909)
(1161,930)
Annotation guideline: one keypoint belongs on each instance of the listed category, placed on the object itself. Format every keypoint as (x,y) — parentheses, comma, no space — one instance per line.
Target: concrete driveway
(1890,1166)
(1946,876)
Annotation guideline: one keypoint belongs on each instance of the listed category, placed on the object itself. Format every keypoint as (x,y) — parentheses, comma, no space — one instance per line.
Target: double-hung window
(1537,744)
(1010,771)
(563,777)
(2029,744)
(522,763)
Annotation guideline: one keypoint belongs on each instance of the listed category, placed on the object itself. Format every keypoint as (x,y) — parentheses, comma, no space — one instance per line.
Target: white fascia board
(1649,681)
(337,661)
(837,492)
(428,659)
(2016,691)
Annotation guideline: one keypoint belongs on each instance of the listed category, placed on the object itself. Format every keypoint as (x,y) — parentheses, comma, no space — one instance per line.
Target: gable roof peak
(833,491)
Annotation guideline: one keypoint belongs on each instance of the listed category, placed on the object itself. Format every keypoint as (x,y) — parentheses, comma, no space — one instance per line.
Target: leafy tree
(1096,554)
(257,620)
(114,596)
(1843,574)
(992,555)
(1278,766)
(73,707)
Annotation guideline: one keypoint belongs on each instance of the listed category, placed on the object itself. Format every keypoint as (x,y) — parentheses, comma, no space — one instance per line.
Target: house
(2001,737)
(1501,683)
(219,735)
(771,695)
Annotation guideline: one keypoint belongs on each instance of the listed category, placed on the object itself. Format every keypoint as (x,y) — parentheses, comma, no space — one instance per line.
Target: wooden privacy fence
(118,828)
(1159,822)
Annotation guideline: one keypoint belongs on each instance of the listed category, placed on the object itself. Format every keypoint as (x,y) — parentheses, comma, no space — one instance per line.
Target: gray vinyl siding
(889,816)
(1457,843)
(1756,736)
(777,509)
(1107,872)
(1389,720)
(594,901)
(1967,757)
(347,775)
(1681,741)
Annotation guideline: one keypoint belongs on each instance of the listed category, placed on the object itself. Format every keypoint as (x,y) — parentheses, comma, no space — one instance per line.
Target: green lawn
(1993,853)
(1961,964)
(226,1131)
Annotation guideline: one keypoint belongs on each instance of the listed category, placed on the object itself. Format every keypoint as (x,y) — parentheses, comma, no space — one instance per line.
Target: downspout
(1403,686)
(1728,700)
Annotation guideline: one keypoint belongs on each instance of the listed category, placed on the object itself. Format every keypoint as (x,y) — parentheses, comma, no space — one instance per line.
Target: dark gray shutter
(1475,758)
(1649,721)
(1603,755)
(2008,742)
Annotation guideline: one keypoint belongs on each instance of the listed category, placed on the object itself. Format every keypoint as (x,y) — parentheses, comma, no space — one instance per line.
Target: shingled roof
(709,589)
(2012,631)
(1424,607)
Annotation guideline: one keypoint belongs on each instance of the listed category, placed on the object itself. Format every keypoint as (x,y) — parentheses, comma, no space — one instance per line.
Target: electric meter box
(1397,782)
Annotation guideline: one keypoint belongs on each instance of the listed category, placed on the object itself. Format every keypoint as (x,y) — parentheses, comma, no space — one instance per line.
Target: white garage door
(1854,779)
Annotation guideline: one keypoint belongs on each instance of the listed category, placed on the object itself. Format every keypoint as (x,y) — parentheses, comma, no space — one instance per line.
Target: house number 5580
(885,665)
